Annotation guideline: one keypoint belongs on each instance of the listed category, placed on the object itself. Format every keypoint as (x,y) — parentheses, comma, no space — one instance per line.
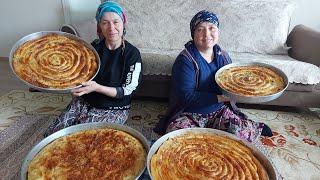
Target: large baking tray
(76,128)
(40,34)
(253,99)
(272,173)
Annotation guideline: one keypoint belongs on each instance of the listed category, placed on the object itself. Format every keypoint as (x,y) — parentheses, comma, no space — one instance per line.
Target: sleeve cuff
(120,92)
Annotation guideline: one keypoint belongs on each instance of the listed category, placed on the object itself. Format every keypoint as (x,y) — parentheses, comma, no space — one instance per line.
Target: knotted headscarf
(110,6)
(203,16)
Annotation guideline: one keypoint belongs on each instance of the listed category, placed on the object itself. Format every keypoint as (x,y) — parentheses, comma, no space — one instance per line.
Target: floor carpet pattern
(294,148)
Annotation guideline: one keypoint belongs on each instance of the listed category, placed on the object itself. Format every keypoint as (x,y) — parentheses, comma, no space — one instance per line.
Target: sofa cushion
(301,87)
(250,30)
(297,71)
(160,62)
(305,44)
(256,26)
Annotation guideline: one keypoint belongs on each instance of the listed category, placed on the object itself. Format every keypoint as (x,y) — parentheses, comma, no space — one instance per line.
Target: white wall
(307,13)
(80,10)
(19,18)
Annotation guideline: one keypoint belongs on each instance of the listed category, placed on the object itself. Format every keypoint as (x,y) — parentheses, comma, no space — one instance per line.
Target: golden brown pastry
(251,81)
(205,156)
(54,61)
(90,154)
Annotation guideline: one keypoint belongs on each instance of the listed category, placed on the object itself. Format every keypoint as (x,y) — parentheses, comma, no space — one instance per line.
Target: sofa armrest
(304,44)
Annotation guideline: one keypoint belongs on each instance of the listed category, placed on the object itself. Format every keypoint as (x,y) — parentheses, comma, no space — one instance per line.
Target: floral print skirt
(224,119)
(79,112)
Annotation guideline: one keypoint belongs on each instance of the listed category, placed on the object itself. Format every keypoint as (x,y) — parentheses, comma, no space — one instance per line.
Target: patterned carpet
(294,148)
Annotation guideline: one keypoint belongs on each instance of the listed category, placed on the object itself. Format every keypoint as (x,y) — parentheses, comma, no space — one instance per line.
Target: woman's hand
(86,88)
(222,98)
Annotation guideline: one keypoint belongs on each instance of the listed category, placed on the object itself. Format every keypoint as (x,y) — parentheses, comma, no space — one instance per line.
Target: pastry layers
(205,156)
(54,61)
(90,154)
(251,81)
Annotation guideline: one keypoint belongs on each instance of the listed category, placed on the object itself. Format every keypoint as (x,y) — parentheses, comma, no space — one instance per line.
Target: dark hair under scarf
(203,16)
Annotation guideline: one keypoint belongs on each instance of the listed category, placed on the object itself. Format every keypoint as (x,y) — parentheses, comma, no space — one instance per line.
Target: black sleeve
(133,72)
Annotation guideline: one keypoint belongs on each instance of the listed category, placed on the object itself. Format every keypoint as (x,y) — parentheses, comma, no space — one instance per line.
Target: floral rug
(294,148)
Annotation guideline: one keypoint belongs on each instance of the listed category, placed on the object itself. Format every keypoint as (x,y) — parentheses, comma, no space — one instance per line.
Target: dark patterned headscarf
(203,16)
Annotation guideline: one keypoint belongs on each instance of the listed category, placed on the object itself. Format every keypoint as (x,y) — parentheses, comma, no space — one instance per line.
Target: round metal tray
(76,128)
(253,99)
(257,153)
(38,35)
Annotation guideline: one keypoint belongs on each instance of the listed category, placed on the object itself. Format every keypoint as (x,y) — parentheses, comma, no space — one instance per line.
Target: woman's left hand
(86,88)
(222,98)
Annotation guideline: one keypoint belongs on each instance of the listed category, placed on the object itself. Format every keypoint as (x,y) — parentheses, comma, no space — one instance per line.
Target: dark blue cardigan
(193,87)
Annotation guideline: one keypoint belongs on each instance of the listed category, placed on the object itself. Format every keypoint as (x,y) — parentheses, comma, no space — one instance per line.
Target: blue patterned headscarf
(110,6)
(203,16)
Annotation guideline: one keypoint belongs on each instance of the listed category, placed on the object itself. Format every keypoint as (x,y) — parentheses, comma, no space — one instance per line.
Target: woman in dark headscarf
(107,98)
(196,100)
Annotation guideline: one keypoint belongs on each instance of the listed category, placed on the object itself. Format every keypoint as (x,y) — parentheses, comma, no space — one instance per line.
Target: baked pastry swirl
(205,156)
(90,154)
(54,61)
(251,80)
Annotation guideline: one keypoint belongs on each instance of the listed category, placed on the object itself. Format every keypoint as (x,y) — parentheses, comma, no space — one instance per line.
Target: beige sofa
(254,30)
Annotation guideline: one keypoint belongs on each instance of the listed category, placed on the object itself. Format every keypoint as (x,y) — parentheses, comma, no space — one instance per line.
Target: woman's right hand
(222,98)
(86,88)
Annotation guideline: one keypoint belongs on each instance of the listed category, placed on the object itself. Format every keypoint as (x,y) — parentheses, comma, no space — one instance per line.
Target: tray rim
(267,164)
(77,128)
(252,99)
(40,34)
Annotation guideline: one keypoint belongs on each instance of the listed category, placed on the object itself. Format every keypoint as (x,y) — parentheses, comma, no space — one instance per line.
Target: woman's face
(206,35)
(112,27)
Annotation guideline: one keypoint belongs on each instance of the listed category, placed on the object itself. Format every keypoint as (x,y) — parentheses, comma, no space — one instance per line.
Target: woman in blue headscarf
(107,97)
(196,100)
